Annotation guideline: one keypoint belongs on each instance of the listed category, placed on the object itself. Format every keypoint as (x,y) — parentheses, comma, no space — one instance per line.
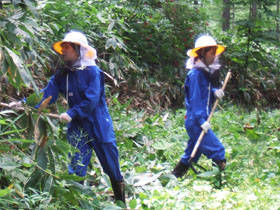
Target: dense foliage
(142,46)
(150,146)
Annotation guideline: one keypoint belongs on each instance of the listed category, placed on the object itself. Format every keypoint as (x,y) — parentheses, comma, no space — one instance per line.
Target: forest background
(142,46)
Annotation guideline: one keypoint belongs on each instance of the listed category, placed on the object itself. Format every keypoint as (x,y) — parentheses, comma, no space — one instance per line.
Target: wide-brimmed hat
(205,41)
(78,38)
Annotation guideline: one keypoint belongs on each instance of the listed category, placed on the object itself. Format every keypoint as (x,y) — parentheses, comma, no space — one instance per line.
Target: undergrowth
(150,145)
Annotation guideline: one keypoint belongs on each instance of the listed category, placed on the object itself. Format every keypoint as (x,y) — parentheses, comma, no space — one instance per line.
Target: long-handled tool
(209,118)
(22,109)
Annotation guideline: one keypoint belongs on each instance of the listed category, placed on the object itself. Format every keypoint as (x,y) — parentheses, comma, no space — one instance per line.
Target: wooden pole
(209,118)
(56,116)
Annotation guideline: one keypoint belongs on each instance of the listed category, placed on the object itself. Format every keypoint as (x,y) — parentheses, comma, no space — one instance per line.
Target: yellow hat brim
(58,48)
(220,50)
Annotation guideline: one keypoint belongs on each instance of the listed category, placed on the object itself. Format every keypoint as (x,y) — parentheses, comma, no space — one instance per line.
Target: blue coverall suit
(91,127)
(199,97)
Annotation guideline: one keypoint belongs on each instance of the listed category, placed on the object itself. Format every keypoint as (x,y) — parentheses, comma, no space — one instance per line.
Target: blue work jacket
(84,90)
(199,96)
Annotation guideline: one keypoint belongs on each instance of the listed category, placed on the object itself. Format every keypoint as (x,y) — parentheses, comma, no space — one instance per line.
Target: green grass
(251,179)
(150,145)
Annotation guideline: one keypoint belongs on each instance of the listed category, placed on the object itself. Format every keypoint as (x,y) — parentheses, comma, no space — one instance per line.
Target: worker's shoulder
(194,72)
(92,70)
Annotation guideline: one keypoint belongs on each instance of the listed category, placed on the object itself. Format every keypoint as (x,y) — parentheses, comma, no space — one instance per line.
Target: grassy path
(252,177)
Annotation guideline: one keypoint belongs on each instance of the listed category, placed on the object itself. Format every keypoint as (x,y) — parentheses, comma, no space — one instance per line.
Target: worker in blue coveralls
(200,93)
(90,125)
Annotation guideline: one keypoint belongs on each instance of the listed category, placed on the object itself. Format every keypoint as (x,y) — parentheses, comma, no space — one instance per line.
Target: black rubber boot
(221,164)
(180,169)
(118,189)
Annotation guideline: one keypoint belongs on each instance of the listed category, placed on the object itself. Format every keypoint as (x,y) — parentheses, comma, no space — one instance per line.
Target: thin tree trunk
(259,8)
(232,14)
(226,15)
(277,20)
(254,10)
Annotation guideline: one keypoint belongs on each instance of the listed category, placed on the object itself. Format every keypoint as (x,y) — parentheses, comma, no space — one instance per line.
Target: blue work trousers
(210,145)
(107,154)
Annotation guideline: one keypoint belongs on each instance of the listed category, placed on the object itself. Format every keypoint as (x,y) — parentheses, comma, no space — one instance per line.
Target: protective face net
(87,57)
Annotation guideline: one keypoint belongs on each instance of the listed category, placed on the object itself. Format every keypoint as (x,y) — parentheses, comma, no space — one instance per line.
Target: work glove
(15,105)
(65,118)
(219,94)
(205,126)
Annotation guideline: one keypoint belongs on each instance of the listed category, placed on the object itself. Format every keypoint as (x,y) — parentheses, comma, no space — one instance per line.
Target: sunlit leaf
(11,132)
(26,77)
(161,145)
(4,192)
(133,204)
(18,140)
(71,177)
(8,164)
(48,184)
(111,42)
(44,104)
(33,99)
(42,158)
(145,179)
(209,174)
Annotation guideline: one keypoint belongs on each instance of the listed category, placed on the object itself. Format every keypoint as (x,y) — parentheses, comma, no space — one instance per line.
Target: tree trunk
(226,15)
(254,10)
(259,8)
(277,20)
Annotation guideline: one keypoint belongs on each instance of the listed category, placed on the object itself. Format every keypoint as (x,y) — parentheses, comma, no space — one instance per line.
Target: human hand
(15,105)
(205,126)
(65,118)
(219,94)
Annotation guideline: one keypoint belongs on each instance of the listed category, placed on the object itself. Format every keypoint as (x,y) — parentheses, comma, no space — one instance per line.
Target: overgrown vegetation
(142,45)
(150,146)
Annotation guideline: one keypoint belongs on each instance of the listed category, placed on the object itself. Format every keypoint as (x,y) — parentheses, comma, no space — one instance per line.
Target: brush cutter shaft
(209,117)
(22,109)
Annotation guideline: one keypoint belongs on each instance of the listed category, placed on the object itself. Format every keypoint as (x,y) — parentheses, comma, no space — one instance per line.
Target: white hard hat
(78,38)
(205,41)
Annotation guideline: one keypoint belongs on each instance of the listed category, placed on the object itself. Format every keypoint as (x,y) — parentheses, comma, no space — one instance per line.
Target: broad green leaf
(35,179)
(20,66)
(4,148)
(112,208)
(48,184)
(111,25)
(133,204)
(100,18)
(42,158)
(209,174)
(17,16)
(5,192)
(11,132)
(145,179)
(111,42)
(33,99)
(8,164)
(71,177)
(161,145)
(51,160)
(18,140)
